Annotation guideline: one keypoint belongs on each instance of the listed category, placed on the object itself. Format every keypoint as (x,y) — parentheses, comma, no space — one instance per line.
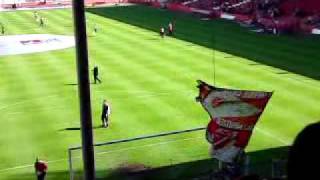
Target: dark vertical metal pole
(84,89)
(213,59)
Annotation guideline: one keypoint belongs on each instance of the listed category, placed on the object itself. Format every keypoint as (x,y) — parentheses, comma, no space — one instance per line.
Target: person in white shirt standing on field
(106,111)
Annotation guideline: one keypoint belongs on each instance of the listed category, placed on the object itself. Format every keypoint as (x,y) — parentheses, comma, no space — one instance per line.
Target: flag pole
(84,89)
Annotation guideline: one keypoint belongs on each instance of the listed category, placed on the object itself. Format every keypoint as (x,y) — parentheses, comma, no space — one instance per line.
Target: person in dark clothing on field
(41,21)
(106,110)
(95,28)
(41,168)
(3,30)
(96,74)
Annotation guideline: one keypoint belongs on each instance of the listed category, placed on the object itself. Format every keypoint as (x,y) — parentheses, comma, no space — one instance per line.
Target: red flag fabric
(234,114)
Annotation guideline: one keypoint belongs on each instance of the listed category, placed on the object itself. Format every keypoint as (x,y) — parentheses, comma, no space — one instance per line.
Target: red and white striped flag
(234,114)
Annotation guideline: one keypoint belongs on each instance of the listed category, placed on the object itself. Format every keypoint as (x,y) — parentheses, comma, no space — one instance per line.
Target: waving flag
(234,114)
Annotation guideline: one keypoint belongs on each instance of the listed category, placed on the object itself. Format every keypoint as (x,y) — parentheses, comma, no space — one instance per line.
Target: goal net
(142,153)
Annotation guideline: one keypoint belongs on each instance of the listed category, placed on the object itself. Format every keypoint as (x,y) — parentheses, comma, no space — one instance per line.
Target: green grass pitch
(149,81)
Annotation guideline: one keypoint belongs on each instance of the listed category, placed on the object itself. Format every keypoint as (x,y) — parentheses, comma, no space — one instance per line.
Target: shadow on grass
(260,163)
(71,84)
(297,54)
(75,84)
(282,73)
(78,128)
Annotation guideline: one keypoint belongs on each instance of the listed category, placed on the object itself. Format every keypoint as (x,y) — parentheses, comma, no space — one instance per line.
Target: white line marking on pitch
(267,133)
(26,101)
(147,145)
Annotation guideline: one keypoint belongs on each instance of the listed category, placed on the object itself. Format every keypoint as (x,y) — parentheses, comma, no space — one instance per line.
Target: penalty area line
(27,165)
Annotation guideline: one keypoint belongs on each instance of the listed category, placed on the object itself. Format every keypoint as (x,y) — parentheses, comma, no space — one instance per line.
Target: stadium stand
(275,16)
(57,3)
(268,16)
